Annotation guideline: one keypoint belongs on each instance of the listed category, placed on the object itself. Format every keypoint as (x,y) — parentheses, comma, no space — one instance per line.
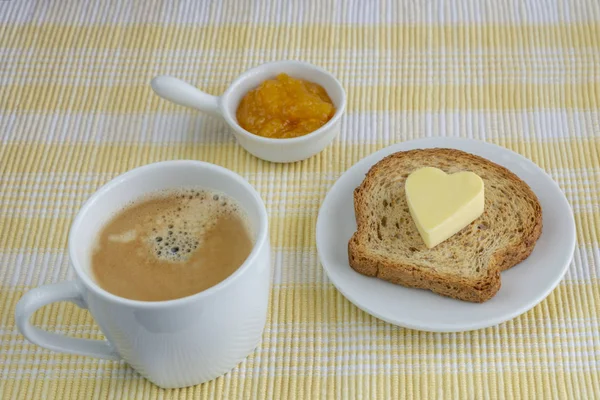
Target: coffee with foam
(171,244)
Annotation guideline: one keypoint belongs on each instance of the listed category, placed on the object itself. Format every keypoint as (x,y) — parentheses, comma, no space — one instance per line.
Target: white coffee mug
(172,343)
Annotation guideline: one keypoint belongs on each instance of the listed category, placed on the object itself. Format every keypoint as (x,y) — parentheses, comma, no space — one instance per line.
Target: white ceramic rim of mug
(261,236)
(247,74)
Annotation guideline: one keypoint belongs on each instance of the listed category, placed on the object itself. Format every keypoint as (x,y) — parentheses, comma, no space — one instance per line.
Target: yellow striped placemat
(76,110)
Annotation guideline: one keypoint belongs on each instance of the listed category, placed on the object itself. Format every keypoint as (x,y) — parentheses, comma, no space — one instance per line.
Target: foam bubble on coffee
(125,237)
(177,232)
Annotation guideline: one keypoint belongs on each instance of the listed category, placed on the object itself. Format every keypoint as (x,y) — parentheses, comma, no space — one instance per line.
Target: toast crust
(410,275)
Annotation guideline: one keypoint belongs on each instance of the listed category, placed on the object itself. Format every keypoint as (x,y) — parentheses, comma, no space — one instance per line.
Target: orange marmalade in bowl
(285,107)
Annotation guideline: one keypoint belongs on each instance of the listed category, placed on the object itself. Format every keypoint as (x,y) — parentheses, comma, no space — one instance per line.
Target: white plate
(523,286)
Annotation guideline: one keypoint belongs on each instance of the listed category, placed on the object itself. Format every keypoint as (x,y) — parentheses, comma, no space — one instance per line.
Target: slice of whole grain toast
(466,266)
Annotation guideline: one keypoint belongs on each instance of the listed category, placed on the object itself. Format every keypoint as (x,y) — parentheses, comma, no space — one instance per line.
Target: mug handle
(43,295)
(182,93)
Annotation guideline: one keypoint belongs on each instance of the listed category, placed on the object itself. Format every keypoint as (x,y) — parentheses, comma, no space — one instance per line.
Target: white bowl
(276,150)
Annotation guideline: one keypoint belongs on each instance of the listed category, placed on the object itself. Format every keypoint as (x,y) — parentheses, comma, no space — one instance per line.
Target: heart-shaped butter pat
(442,204)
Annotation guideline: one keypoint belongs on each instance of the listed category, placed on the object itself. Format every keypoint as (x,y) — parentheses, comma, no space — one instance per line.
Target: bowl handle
(182,93)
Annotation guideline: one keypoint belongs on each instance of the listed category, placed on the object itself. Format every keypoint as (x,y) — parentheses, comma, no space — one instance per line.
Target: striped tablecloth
(76,110)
